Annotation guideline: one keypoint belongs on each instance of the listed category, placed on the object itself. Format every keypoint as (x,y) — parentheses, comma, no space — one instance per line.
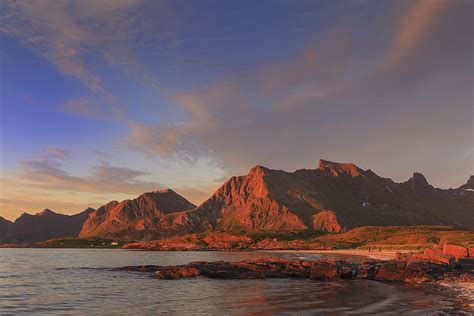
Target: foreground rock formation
(323,270)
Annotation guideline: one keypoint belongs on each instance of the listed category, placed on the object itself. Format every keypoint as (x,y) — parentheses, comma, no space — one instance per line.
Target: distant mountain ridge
(42,226)
(333,197)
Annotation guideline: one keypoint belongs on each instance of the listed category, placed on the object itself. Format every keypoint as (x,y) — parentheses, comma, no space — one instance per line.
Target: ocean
(82,282)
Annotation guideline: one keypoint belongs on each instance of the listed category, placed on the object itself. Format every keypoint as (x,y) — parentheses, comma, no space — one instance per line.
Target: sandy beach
(379,255)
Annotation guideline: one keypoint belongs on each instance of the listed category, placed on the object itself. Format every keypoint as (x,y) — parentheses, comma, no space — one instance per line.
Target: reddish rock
(442,259)
(171,273)
(455,250)
(324,271)
(326,221)
(366,270)
(470,250)
(250,269)
(433,251)
(409,272)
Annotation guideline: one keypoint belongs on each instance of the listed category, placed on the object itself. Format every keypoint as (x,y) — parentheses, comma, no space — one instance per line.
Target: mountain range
(334,197)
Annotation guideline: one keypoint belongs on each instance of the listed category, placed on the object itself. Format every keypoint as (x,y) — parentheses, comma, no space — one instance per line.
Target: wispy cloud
(417,24)
(47,172)
(316,102)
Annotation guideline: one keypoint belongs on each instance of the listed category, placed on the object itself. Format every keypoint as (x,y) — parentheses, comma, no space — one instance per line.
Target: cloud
(57,153)
(82,106)
(76,36)
(330,97)
(46,172)
(415,26)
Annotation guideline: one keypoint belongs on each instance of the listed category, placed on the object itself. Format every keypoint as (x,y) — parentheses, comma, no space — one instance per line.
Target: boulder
(324,271)
(347,273)
(173,273)
(402,271)
(433,251)
(470,250)
(455,250)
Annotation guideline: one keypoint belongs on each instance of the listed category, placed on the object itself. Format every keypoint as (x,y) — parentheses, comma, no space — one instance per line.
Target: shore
(378,255)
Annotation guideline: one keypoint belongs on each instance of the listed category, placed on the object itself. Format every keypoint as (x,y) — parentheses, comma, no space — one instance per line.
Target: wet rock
(403,271)
(324,271)
(172,273)
(347,273)
(257,269)
(408,271)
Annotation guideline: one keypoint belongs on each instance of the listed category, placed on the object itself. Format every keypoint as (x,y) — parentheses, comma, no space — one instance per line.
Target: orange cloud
(417,22)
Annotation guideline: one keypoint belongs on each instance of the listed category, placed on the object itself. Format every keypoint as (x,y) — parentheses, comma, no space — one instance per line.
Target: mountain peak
(469,184)
(418,181)
(46,211)
(165,190)
(258,170)
(337,168)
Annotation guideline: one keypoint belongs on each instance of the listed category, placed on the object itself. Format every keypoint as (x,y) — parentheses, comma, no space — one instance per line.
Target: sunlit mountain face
(106,100)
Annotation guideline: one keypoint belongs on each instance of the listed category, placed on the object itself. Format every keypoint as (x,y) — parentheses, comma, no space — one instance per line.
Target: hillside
(390,237)
(147,217)
(333,197)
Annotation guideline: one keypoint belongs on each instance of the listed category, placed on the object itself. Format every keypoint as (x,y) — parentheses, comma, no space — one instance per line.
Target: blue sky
(104,100)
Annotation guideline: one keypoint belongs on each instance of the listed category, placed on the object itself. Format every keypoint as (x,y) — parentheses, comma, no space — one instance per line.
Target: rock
(470,250)
(427,256)
(455,250)
(466,262)
(171,273)
(326,221)
(323,271)
(347,273)
(433,252)
(258,269)
(400,271)
(367,270)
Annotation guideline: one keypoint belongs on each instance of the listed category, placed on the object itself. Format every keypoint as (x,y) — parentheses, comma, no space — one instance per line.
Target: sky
(103,100)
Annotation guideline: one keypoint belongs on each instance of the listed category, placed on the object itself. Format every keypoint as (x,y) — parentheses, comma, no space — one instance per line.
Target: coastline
(377,255)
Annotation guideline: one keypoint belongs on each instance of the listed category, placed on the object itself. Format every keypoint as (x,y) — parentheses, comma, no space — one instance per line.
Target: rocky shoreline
(407,271)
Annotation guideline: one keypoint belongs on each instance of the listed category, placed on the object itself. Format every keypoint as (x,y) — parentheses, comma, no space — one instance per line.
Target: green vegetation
(377,237)
(401,237)
(286,235)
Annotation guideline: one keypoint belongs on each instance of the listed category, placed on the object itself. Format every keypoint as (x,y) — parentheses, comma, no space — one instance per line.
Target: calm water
(67,281)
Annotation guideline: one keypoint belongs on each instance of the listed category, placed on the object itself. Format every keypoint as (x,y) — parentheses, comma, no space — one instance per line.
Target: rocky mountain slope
(333,197)
(4,228)
(147,217)
(42,226)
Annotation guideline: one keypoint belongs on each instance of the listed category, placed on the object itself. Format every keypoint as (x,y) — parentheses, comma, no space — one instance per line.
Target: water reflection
(51,281)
